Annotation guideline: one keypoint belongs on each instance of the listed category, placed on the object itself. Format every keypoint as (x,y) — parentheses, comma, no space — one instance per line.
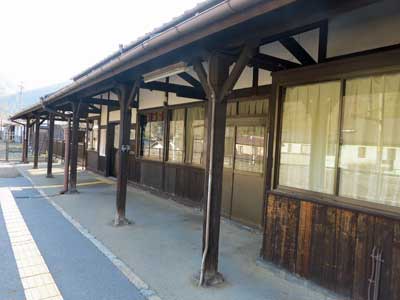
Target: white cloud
(44,42)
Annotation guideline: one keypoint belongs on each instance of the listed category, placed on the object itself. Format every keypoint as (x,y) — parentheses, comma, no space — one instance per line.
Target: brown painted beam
(272,63)
(202,74)
(50,147)
(191,80)
(67,156)
(36,148)
(323,42)
(246,54)
(124,96)
(297,51)
(74,147)
(26,139)
(179,90)
(216,122)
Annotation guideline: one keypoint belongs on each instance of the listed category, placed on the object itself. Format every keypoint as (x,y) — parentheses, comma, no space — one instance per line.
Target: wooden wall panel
(151,174)
(395,280)
(92,161)
(102,164)
(281,223)
(268,244)
(383,240)
(304,239)
(332,246)
(322,262)
(170,180)
(346,225)
(184,181)
(362,263)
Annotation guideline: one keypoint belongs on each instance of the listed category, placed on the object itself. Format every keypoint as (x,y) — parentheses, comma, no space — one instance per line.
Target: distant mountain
(10,104)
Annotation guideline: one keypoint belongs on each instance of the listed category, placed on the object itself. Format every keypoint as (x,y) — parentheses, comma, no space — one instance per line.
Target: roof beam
(179,90)
(322,41)
(246,54)
(113,103)
(93,109)
(272,63)
(297,51)
(202,74)
(190,79)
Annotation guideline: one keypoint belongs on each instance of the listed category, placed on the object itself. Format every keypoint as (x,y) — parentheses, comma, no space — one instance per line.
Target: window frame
(374,64)
(167,118)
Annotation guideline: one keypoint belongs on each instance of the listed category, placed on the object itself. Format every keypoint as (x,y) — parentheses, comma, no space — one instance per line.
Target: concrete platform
(163,247)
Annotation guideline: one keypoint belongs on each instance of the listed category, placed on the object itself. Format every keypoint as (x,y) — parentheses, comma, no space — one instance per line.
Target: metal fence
(10,151)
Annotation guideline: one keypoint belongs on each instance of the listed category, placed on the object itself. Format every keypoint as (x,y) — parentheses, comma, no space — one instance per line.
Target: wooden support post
(67,156)
(218,73)
(25,144)
(50,146)
(36,149)
(74,147)
(125,93)
(218,86)
(86,144)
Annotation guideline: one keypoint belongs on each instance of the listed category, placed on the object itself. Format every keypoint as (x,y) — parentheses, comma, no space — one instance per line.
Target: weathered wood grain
(345,248)
(383,239)
(395,280)
(362,260)
(304,239)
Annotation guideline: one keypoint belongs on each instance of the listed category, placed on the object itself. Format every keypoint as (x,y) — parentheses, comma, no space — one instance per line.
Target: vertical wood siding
(332,246)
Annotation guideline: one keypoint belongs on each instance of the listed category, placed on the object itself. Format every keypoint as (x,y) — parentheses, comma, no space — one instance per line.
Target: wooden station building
(279,114)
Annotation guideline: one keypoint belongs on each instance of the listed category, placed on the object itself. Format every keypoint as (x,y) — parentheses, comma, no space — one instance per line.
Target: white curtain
(370,154)
(309,136)
(195,135)
(176,132)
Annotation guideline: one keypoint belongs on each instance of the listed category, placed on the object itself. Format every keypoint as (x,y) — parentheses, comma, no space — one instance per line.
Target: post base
(121,221)
(49,176)
(210,279)
(73,191)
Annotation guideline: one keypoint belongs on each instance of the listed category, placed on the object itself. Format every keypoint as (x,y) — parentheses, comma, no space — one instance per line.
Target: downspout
(210,178)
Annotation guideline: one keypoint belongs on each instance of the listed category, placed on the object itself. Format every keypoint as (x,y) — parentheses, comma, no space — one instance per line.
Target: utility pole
(19,100)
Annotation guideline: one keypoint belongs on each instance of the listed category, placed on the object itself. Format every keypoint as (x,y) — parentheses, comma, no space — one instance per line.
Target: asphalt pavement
(79,269)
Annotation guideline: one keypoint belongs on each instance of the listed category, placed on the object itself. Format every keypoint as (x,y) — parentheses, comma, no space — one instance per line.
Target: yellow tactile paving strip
(36,279)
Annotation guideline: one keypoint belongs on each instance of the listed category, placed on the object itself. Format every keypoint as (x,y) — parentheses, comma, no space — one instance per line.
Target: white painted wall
(150,99)
(103,120)
(373,26)
(113,115)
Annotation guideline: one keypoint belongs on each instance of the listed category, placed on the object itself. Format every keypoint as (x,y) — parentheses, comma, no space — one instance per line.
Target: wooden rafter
(245,56)
(190,79)
(322,41)
(179,90)
(272,63)
(202,74)
(297,51)
(113,103)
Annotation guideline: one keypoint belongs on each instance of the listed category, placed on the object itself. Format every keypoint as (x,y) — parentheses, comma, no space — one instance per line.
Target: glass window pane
(249,155)
(103,137)
(195,135)
(132,139)
(95,135)
(152,141)
(116,136)
(309,137)
(229,141)
(156,140)
(369,156)
(176,135)
(254,107)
